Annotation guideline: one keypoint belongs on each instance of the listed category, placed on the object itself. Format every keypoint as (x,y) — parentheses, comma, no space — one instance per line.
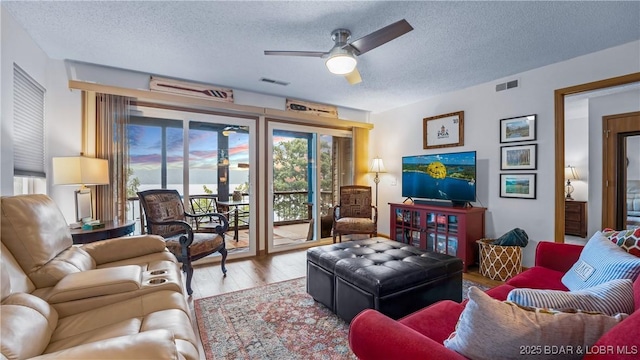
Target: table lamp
(570,173)
(377,167)
(82,171)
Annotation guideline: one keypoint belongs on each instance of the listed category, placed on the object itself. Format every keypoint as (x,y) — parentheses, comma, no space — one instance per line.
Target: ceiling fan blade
(380,37)
(353,77)
(296,53)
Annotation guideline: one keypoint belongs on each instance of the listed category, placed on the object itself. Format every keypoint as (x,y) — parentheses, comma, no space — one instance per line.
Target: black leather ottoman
(391,277)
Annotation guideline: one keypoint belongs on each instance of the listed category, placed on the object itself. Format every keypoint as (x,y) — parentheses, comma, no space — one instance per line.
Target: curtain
(112,119)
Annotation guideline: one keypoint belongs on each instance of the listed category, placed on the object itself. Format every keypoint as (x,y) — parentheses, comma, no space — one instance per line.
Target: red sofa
(420,335)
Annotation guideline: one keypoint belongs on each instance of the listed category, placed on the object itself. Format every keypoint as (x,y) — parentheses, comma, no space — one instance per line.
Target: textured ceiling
(454,44)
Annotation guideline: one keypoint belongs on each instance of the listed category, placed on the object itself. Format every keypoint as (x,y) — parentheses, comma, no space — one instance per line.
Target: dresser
(575,218)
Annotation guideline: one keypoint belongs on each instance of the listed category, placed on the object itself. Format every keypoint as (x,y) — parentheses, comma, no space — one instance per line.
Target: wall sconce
(570,173)
(377,167)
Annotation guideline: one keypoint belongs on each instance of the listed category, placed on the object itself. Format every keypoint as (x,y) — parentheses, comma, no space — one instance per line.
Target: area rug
(276,321)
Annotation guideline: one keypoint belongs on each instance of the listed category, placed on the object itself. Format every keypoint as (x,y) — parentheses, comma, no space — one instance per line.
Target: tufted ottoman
(391,277)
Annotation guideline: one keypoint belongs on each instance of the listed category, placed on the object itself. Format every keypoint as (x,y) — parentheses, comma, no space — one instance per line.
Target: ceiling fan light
(341,64)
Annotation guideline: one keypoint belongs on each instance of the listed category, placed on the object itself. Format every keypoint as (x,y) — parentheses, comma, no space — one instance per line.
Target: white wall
(576,149)
(63,131)
(598,107)
(62,109)
(398,132)
(17,47)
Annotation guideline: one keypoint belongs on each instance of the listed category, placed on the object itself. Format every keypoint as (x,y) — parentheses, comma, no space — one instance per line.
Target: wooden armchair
(355,214)
(165,216)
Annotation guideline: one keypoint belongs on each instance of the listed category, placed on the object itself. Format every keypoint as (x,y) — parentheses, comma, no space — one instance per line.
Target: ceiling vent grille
(277,82)
(507,85)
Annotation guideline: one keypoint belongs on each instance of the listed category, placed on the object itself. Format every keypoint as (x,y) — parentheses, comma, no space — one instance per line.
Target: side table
(110,230)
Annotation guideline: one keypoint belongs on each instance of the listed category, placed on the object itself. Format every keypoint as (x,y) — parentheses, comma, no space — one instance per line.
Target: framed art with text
(518,157)
(518,186)
(443,130)
(521,128)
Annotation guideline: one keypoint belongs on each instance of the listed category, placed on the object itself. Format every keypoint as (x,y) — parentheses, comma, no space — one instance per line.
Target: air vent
(507,85)
(277,82)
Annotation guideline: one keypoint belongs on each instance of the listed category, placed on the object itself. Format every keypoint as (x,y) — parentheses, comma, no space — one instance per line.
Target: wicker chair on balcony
(165,216)
(355,214)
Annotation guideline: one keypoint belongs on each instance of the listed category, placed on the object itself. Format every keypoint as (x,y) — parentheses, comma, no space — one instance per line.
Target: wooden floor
(257,271)
(244,274)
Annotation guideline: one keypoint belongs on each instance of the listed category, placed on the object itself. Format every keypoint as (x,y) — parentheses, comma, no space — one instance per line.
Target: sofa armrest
(96,282)
(154,344)
(373,335)
(125,247)
(557,256)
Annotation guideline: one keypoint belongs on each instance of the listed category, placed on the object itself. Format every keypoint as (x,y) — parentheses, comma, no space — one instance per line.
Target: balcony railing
(290,207)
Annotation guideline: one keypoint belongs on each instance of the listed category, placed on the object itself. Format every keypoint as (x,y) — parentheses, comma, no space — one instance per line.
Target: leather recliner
(150,326)
(118,298)
(79,278)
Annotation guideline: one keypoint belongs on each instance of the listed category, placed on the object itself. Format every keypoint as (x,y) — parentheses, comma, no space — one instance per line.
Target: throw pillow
(492,329)
(628,240)
(601,261)
(612,297)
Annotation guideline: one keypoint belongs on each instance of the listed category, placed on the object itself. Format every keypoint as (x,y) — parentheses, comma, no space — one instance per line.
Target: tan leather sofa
(117,298)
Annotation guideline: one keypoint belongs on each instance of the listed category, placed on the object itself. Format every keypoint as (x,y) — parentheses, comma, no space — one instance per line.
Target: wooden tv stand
(446,230)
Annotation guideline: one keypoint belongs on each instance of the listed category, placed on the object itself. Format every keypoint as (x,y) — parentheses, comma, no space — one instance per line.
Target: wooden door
(616,129)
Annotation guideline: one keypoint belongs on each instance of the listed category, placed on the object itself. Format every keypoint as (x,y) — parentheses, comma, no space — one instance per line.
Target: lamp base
(568,188)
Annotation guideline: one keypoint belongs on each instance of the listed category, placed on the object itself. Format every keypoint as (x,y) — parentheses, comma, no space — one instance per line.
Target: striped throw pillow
(612,297)
(601,261)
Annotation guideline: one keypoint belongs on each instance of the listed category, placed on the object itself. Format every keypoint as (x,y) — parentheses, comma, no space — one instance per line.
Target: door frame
(559,96)
(188,115)
(271,126)
(613,183)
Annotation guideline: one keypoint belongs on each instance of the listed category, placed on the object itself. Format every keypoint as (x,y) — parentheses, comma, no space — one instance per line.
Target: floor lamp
(377,167)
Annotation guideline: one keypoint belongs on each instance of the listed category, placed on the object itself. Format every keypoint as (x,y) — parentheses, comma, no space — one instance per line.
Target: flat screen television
(449,176)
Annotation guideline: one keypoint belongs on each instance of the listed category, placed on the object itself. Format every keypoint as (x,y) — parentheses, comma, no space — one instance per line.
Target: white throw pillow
(601,261)
(612,297)
(491,329)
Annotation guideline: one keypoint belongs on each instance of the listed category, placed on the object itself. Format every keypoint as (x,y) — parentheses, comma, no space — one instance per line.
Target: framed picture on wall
(518,157)
(518,186)
(443,130)
(521,128)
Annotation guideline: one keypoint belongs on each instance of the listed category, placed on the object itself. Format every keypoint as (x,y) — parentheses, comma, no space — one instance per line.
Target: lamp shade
(570,173)
(341,61)
(80,170)
(377,166)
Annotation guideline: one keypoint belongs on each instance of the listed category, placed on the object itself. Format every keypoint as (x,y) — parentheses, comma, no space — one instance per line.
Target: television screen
(450,176)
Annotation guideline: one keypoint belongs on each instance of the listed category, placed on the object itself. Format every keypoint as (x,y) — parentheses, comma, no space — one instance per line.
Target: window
(28,134)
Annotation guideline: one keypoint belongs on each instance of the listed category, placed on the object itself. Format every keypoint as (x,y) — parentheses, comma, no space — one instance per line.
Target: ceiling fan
(341,59)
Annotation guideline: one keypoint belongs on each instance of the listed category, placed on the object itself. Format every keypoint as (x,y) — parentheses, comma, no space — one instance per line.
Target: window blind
(28,125)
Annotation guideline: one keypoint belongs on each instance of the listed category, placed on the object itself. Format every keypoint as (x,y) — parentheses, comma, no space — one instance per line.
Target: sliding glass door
(208,158)
(308,166)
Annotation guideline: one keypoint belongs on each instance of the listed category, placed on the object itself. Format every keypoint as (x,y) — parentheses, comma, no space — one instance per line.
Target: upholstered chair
(165,216)
(355,214)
